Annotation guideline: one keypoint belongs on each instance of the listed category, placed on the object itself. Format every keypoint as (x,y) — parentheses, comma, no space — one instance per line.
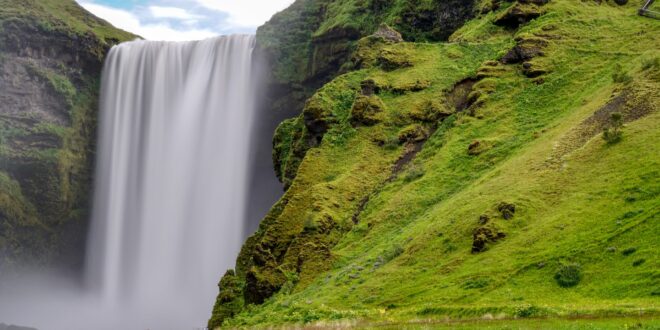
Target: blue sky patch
(185,19)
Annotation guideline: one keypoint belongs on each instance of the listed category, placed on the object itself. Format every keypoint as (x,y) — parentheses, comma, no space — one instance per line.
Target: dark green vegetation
(51,54)
(468,179)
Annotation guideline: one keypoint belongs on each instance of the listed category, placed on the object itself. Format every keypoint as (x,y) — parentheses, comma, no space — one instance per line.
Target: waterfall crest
(172,167)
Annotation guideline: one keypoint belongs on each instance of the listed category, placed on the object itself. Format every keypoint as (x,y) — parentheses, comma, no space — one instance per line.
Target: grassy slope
(585,206)
(63,15)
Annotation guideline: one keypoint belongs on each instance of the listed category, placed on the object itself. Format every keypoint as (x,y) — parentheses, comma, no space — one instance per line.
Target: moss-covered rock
(518,14)
(484,235)
(389,60)
(525,50)
(430,111)
(230,299)
(367,110)
(261,283)
(413,134)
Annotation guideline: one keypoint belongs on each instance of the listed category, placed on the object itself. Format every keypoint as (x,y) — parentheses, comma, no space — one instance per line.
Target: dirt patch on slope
(633,103)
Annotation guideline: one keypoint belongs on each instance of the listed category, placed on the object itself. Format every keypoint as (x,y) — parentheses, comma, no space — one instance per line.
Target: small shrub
(526,310)
(391,143)
(651,63)
(310,224)
(569,275)
(391,253)
(292,279)
(638,262)
(414,172)
(619,76)
(629,251)
(476,283)
(612,133)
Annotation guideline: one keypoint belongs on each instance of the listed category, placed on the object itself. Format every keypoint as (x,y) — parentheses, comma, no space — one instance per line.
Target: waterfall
(171,179)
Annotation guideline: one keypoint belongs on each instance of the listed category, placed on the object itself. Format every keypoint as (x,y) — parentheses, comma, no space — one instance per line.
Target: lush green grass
(579,201)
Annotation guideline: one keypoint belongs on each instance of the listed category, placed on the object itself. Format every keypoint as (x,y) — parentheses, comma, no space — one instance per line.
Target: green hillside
(469,178)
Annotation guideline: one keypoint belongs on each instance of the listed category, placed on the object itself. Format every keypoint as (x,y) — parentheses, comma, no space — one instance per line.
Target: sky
(178,20)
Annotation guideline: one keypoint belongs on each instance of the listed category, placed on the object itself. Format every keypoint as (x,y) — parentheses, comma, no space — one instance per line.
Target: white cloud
(128,21)
(172,12)
(247,12)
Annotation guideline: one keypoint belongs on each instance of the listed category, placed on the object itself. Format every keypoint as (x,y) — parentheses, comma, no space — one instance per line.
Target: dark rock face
(436,22)
(48,92)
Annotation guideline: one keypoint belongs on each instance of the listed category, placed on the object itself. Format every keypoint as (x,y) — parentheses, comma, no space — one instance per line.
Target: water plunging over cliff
(172,167)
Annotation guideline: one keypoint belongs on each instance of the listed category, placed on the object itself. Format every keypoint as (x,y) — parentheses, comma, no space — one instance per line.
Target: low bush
(477,283)
(612,133)
(310,224)
(526,310)
(651,63)
(391,253)
(629,251)
(620,76)
(569,275)
(414,172)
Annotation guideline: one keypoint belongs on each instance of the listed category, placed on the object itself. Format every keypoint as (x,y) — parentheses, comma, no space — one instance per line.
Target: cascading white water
(171,177)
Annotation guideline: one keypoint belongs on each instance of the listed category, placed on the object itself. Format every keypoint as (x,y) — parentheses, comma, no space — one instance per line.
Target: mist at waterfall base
(177,135)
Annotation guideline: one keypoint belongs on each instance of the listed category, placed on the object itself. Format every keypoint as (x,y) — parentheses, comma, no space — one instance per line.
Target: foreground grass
(528,324)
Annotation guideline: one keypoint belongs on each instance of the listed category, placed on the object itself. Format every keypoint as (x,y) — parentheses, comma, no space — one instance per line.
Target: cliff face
(485,173)
(51,55)
(311,42)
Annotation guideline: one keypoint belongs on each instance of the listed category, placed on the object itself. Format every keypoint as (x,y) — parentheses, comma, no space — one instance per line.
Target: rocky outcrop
(49,72)
(307,45)
(520,13)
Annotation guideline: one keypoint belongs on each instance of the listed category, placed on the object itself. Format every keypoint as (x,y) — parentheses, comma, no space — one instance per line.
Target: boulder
(507,210)
(369,87)
(481,236)
(390,61)
(413,134)
(430,111)
(525,50)
(367,110)
(388,34)
(518,14)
